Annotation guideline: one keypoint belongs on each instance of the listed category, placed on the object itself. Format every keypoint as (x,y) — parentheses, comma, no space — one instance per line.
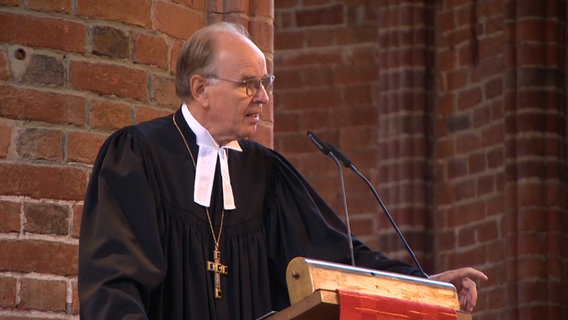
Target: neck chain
(214,266)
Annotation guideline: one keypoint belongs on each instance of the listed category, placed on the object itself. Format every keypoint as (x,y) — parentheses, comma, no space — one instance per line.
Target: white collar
(209,151)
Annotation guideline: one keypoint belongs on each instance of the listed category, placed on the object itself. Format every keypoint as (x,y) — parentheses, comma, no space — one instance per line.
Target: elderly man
(186,219)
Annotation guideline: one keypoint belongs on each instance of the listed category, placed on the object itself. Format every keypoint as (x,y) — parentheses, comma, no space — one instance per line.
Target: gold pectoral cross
(219,269)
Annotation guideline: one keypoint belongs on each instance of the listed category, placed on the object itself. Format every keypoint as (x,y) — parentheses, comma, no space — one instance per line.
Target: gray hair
(198,55)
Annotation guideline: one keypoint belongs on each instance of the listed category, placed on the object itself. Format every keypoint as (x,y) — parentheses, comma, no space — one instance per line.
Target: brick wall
(326,69)
(464,132)
(455,110)
(470,143)
(71,72)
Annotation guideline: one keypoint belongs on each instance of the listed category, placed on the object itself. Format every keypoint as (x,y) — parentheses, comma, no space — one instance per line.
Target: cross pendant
(219,269)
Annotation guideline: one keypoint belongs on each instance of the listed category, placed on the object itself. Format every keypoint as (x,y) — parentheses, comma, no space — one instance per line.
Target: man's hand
(464,279)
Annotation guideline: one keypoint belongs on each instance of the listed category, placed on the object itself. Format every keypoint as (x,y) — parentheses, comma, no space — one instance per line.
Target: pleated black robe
(144,243)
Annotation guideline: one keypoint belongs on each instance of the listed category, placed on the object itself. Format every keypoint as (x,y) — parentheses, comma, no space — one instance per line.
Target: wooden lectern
(313,289)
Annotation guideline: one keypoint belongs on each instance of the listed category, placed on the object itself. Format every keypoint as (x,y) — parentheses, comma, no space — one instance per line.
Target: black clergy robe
(144,242)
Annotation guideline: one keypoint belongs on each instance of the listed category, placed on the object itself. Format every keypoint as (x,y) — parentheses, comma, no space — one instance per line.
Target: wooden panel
(306,276)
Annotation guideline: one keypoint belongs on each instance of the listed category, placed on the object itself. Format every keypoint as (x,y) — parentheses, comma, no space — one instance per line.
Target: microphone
(348,164)
(324,148)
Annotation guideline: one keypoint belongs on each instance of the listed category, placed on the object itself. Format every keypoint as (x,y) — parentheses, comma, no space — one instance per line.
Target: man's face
(232,114)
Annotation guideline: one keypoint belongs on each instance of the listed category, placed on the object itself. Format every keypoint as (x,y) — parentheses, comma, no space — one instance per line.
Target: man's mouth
(255,116)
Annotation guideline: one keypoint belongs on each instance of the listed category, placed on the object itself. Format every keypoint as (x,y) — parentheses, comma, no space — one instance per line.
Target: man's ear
(197,86)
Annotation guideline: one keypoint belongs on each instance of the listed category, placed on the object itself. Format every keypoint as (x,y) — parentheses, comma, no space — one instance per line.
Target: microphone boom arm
(347,163)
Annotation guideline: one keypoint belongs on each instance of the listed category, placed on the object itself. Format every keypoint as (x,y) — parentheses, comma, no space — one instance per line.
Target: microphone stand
(323,147)
(347,163)
(344,198)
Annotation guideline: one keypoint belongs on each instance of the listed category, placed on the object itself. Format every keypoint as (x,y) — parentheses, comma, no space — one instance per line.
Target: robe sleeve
(120,252)
(300,223)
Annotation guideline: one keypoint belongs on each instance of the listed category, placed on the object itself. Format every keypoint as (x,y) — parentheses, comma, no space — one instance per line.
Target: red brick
(531,9)
(43,295)
(261,9)
(469,257)
(10,3)
(110,42)
(176,48)
(486,185)
(359,95)
(476,162)
(466,213)
(538,30)
(229,6)
(469,98)
(151,50)
(10,217)
(352,116)
(488,68)
(22,30)
(83,147)
(493,88)
(39,144)
(358,35)
(457,168)
(43,70)
(5,139)
(445,149)
(446,104)
(136,12)
(465,190)
(491,46)
(487,231)
(287,122)
(532,267)
(75,299)
(533,243)
(66,183)
(444,195)
(467,142)
(164,91)
(176,21)
(481,116)
(109,79)
(446,21)
(458,37)
(8,292)
(466,236)
(316,98)
(352,74)
(46,218)
(446,240)
(48,257)
(261,32)
(455,79)
(463,15)
(495,254)
(330,15)
(5,73)
(108,115)
(58,6)
(467,54)
(77,218)
(288,40)
(144,113)
(27,104)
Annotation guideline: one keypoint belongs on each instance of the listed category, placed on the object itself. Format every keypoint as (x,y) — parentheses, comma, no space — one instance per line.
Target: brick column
(536,222)
(405,104)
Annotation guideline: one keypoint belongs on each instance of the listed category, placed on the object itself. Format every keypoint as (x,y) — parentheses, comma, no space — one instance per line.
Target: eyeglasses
(253,84)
